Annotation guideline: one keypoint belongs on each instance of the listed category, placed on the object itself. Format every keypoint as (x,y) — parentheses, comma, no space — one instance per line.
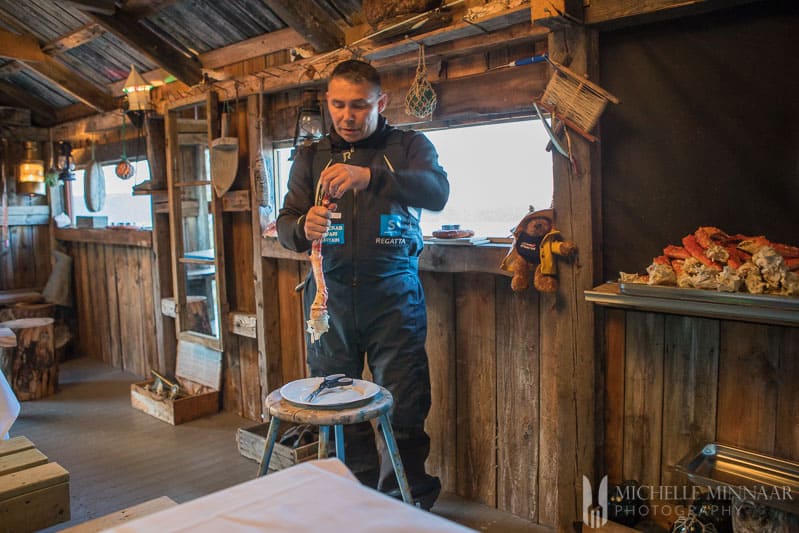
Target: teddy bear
(535,243)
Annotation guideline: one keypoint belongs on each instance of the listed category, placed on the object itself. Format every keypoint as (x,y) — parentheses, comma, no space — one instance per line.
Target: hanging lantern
(66,164)
(310,125)
(137,90)
(31,171)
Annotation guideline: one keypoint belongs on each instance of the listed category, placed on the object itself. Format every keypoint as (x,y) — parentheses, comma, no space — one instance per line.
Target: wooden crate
(34,494)
(198,371)
(251,443)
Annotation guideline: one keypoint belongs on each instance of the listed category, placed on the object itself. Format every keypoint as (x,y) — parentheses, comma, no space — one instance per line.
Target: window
(120,205)
(496,172)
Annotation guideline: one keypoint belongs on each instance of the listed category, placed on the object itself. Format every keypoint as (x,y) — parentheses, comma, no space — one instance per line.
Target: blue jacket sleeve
(421,183)
(299,199)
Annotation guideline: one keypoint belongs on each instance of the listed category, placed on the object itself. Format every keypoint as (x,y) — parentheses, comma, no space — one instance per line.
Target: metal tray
(700,295)
(745,472)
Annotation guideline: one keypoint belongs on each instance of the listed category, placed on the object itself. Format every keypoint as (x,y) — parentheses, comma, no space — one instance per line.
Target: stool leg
(269,445)
(339,430)
(396,460)
(324,436)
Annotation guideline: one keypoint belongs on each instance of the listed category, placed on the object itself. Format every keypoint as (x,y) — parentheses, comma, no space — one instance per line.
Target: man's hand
(317,221)
(340,178)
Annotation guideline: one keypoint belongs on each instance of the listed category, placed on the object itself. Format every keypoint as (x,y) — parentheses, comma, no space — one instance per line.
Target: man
(378,178)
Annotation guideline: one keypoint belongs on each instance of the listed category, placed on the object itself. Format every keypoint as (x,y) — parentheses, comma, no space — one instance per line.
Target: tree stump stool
(31,367)
(27,310)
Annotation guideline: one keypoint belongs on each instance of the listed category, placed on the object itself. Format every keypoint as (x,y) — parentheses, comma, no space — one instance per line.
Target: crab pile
(711,259)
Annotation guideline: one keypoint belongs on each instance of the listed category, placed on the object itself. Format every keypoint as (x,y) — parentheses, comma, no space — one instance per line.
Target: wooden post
(568,406)
(31,367)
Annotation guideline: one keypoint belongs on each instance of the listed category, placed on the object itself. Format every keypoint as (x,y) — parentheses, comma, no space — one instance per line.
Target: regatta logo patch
(391,225)
(334,235)
(390,241)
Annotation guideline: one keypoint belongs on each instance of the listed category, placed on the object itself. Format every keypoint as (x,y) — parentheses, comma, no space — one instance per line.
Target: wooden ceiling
(67,59)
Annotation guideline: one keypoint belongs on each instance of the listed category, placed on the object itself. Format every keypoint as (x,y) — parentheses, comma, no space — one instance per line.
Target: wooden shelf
(434,258)
(125,237)
(198,183)
(610,295)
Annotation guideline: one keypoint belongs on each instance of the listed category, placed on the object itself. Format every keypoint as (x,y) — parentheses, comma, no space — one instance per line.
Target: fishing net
(421,98)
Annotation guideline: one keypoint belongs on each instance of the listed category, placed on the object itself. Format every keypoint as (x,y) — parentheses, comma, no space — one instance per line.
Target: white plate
(296,391)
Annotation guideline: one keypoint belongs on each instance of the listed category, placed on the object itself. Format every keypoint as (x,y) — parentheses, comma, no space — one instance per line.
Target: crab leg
(690,244)
(318,323)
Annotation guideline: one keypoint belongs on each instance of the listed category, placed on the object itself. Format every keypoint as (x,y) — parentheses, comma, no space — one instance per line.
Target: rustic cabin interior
(150,317)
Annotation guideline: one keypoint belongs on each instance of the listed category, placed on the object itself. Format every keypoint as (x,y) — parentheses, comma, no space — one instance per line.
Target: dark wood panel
(292,325)
(114,305)
(250,379)
(26,263)
(518,385)
(271,325)
(114,327)
(98,302)
(643,397)
(614,396)
(748,414)
(476,372)
(787,443)
(690,379)
(441,422)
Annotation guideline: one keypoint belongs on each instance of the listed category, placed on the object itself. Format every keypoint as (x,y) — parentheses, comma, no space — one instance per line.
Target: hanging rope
(420,101)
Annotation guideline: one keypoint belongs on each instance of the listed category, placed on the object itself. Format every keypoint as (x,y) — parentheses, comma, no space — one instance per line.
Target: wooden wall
(27,262)
(483,343)
(676,383)
(115,306)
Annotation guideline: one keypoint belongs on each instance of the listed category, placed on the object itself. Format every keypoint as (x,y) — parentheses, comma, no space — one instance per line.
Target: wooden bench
(34,494)
(120,517)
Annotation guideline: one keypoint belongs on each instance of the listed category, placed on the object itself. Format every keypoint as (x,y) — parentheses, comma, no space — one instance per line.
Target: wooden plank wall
(675,383)
(115,306)
(27,262)
(483,344)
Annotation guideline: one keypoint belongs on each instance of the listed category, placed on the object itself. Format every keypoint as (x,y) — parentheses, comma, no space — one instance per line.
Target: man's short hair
(356,71)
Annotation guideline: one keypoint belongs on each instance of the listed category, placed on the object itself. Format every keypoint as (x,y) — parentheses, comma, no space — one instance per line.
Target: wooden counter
(435,257)
(124,237)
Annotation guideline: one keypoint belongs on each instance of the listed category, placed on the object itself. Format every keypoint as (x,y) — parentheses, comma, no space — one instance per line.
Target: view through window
(496,172)
(120,206)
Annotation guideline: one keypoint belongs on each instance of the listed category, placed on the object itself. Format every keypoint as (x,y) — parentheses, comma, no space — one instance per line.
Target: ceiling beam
(619,13)
(136,35)
(103,7)
(41,112)
(25,48)
(21,47)
(145,8)
(73,112)
(255,47)
(310,22)
(74,39)
(75,85)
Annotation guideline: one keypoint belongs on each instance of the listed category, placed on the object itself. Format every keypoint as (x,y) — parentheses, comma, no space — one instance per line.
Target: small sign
(334,235)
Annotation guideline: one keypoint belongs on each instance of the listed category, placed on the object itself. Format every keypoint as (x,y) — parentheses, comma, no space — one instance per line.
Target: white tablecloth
(318,496)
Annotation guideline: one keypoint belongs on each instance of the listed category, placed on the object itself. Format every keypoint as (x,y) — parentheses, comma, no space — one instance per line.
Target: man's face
(354,108)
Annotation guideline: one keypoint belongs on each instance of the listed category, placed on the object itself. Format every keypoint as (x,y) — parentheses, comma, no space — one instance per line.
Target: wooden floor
(118,457)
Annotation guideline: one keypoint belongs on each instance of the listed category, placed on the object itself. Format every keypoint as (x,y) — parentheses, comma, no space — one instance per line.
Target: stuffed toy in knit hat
(535,243)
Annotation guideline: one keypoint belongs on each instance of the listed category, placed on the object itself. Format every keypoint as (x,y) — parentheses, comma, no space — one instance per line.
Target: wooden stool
(379,407)
(31,367)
